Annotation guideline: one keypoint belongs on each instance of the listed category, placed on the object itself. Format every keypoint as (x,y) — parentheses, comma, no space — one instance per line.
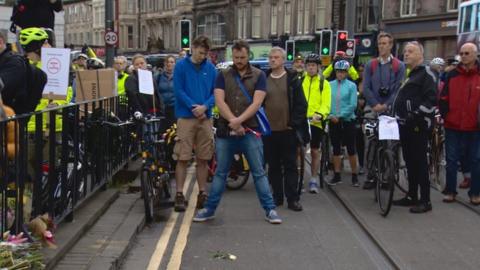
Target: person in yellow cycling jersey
(318,95)
(32,40)
(330,75)
(119,64)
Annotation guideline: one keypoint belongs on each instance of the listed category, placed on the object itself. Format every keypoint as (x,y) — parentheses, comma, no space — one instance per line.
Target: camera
(383,91)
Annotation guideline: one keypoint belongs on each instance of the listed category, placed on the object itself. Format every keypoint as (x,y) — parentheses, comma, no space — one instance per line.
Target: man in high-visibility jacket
(119,64)
(318,95)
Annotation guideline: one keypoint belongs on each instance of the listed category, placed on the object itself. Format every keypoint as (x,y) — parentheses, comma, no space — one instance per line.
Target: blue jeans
(252,148)
(457,144)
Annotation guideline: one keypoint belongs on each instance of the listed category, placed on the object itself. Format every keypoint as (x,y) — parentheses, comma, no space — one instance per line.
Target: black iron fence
(52,160)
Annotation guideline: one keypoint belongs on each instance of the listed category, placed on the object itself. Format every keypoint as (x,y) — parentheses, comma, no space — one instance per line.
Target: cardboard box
(95,84)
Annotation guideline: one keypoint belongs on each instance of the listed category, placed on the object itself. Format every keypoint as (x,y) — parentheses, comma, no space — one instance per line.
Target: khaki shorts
(193,134)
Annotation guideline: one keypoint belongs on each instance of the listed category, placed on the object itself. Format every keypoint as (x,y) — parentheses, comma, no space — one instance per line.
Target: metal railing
(57,158)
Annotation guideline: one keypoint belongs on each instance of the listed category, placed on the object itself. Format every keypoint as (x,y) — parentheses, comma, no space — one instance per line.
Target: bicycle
(155,169)
(383,164)
(436,154)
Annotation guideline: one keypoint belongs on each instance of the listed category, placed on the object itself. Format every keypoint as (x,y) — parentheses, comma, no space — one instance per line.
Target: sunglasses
(464,53)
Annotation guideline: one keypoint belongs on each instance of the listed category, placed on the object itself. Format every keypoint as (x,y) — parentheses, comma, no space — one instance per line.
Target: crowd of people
(299,103)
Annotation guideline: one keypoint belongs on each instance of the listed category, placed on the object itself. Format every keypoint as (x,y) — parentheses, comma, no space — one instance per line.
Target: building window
(130,36)
(300,16)
(273,20)
(288,15)
(131,6)
(452,5)
(256,21)
(359,19)
(372,13)
(320,13)
(212,26)
(408,8)
(242,22)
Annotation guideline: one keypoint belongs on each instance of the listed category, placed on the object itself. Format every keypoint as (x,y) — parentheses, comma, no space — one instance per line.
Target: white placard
(145,82)
(388,128)
(56,63)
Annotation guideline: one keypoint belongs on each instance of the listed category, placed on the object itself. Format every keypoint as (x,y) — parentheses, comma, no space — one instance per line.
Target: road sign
(111,38)
(350,49)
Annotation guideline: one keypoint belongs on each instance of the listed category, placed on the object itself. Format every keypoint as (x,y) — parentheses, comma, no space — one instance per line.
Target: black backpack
(36,81)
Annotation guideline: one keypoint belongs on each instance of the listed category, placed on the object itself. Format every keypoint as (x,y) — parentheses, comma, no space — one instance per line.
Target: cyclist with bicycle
(317,93)
(382,77)
(342,121)
(415,102)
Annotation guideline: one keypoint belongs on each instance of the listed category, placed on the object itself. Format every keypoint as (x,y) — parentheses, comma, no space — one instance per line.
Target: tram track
(373,244)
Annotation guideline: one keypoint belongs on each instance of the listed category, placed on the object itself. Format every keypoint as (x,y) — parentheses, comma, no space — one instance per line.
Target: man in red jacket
(460,107)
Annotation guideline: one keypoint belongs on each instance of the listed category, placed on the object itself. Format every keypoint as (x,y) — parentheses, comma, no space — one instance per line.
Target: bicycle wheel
(438,164)
(324,159)
(401,177)
(147,194)
(386,182)
(239,173)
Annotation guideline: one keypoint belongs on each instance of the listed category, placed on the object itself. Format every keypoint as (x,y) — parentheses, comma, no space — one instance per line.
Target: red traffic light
(342,36)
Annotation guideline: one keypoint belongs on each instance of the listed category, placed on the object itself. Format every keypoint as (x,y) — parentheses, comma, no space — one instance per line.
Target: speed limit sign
(111,38)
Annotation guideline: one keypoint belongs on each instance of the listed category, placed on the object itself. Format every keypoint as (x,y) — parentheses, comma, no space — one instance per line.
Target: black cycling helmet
(312,58)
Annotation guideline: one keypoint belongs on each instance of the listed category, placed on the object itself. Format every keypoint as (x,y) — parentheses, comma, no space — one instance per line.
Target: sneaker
(201,199)
(204,214)
(273,217)
(295,206)
(180,204)
(449,198)
(355,181)
(421,208)
(335,181)
(475,200)
(465,184)
(361,171)
(369,185)
(405,201)
(313,187)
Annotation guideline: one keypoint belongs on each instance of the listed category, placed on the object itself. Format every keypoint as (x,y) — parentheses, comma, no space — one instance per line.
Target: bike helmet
(32,39)
(342,65)
(437,61)
(313,58)
(370,128)
(95,63)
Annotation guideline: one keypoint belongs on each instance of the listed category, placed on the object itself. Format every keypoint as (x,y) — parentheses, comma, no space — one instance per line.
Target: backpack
(395,66)
(36,81)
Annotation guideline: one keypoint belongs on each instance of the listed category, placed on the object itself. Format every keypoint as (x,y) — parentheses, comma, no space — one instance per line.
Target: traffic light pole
(110,50)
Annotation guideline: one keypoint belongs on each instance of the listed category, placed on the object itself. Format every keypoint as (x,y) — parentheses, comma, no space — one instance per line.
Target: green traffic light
(325,50)
(185,41)
(290,57)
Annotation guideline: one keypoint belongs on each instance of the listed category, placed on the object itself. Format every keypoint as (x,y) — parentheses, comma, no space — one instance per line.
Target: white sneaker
(313,187)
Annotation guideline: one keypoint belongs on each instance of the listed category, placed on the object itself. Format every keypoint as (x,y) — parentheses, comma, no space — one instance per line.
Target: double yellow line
(181,241)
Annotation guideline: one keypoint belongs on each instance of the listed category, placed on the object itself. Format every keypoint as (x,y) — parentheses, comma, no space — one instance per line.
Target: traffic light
(290,49)
(326,43)
(185,34)
(342,37)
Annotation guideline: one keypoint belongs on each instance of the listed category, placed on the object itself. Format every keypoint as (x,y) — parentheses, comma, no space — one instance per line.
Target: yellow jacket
(121,88)
(317,102)
(352,72)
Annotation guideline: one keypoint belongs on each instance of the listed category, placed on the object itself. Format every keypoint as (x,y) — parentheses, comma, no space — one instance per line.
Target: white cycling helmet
(437,61)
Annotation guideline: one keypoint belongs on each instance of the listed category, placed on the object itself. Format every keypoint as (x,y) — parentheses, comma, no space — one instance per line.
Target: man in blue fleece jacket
(193,81)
